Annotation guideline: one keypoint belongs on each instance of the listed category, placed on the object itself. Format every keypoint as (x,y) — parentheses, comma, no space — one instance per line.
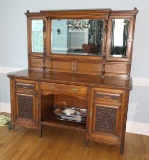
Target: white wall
(13,44)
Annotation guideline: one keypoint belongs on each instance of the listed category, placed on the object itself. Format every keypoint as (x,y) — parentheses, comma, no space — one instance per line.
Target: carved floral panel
(25,106)
(105,119)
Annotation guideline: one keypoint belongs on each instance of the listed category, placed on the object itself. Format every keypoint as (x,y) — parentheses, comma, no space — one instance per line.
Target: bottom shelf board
(53,120)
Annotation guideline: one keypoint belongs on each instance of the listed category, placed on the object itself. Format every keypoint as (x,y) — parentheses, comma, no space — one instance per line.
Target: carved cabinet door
(106,115)
(25,110)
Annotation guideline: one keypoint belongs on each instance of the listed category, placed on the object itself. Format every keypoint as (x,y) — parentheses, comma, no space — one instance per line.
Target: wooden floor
(62,144)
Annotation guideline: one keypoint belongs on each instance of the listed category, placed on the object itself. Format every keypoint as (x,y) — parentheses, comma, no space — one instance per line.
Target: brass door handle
(24,87)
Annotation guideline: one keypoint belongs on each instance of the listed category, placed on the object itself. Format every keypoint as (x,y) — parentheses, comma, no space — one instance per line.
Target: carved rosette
(25,106)
(105,119)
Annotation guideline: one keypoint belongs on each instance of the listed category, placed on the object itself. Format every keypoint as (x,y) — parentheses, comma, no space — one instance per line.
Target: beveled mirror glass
(77,36)
(119,38)
(37,35)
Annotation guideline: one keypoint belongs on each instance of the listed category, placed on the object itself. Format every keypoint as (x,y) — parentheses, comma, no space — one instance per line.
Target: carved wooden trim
(105,119)
(25,106)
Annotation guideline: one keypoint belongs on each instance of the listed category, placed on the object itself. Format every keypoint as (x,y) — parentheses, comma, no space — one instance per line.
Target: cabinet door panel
(105,119)
(106,115)
(105,123)
(26,111)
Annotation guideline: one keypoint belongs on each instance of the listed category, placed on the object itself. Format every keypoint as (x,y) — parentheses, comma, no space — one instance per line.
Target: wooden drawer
(72,89)
(107,95)
(25,85)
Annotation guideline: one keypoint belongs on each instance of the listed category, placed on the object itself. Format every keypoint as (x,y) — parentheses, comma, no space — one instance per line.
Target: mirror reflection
(81,37)
(119,38)
(37,35)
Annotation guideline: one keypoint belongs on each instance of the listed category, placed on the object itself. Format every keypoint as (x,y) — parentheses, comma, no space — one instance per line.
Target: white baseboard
(5,107)
(131,127)
(137,128)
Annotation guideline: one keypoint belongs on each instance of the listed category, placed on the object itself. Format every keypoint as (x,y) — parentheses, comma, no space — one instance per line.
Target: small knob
(75,89)
(51,87)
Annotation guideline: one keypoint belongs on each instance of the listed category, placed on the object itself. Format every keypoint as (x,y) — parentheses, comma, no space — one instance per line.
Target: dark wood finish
(100,84)
(58,89)
(25,103)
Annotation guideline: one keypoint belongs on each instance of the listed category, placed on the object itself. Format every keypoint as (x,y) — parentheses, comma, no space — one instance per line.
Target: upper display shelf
(102,33)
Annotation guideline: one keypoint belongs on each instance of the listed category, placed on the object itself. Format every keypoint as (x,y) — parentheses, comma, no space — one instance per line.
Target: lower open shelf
(52,120)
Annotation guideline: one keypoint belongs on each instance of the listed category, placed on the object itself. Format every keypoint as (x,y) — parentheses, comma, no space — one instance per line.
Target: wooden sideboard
(97,82)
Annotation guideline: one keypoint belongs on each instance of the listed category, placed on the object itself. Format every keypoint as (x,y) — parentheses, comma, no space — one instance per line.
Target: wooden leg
(121,149)
(86,140)
(13,128)
(86,143)
(40,130)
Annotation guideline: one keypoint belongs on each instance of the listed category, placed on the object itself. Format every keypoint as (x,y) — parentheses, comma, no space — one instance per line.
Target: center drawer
(72,89)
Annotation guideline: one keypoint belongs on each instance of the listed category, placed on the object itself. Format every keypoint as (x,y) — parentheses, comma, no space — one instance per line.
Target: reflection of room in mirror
(81,37)
(119,37)
(78,25)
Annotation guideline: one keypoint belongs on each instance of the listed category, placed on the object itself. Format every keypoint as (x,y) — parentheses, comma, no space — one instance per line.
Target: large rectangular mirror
(77,36)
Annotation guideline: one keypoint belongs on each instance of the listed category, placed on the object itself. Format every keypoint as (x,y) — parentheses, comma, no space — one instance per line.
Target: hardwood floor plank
(62,144)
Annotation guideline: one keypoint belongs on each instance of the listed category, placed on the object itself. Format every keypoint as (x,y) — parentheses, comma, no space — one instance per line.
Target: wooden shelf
(53,120)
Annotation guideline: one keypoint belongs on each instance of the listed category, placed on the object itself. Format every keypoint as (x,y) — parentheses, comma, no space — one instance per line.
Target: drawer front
(72,89)
(107,95)
(25,85)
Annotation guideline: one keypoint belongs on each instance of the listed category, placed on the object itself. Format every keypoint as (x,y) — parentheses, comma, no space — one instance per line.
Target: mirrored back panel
(97,42)
(37,35)
(119,37)
(77,36)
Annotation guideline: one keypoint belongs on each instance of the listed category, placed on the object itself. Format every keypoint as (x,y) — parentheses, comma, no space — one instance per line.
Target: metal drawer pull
(51,87)
(24,87)
(75,89)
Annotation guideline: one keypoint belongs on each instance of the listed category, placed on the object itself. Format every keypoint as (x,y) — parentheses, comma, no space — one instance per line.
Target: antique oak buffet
(81,59)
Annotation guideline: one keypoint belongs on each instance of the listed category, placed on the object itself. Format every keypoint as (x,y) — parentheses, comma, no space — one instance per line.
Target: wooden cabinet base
(33,103)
